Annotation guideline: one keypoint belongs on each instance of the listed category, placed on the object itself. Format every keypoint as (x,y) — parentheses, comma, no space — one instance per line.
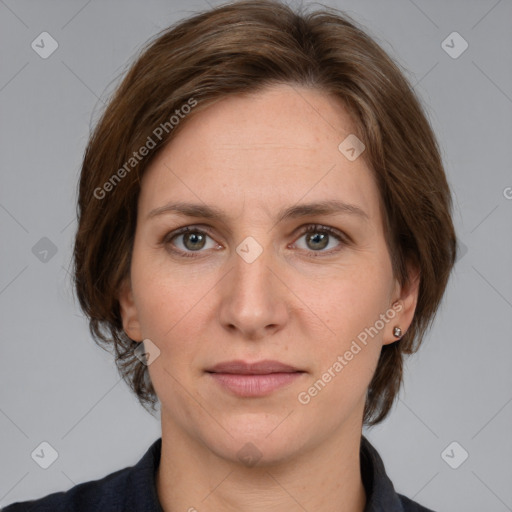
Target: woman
(264,231)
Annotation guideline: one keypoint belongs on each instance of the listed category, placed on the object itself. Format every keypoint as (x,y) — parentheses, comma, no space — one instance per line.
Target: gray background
(58,386)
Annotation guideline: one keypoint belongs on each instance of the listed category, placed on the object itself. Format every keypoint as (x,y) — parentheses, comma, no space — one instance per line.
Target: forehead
(263,150)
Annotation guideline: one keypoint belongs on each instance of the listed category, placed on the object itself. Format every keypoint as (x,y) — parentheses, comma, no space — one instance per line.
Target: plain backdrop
(58,387)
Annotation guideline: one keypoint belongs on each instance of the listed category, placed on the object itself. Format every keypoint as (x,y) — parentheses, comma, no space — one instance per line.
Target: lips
(251,380)
(259,368)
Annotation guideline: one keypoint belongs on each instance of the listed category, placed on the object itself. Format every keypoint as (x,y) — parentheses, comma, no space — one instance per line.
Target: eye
(192,240)
(318,237)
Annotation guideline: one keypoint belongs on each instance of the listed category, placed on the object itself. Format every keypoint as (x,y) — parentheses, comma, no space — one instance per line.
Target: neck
(325,479)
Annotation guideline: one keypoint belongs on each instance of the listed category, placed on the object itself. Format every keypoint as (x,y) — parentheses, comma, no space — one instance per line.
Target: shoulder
(411,506)
(380,491)
(129,489)
(125,490)
(103,494)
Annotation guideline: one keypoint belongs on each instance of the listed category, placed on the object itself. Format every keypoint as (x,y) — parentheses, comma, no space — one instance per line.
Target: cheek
(346,349)
(347,333)
(172,305)
(168,317)
(347,301)
(167,311)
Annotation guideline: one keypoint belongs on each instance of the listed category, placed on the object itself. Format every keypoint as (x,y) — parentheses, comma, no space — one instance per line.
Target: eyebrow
(330,207)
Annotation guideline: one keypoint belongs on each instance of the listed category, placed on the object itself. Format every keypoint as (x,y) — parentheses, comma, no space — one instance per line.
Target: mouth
(253,379)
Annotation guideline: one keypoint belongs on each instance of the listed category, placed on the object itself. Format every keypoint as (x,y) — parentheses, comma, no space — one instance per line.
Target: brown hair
(243,47)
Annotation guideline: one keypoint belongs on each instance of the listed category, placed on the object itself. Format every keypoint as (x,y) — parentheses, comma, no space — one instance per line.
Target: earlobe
(405,305)
(128,310)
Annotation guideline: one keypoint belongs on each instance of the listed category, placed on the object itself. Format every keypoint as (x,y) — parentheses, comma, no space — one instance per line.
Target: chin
(256,440)
(259,453)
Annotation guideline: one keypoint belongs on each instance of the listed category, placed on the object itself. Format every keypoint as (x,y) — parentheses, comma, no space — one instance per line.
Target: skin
(252,155)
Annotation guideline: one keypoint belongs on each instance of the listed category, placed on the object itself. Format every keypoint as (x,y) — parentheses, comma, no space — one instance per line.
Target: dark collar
(380,493)
(133,489)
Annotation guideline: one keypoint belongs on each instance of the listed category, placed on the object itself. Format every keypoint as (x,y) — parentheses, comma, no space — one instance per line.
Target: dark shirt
(133,489)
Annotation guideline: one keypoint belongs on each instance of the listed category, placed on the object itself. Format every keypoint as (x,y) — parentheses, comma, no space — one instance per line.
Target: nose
(253,297)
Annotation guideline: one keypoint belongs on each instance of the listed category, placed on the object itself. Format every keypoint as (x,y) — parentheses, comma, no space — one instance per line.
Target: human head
(243,48)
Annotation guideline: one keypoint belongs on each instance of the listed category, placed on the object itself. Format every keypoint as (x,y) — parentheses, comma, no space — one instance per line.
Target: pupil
(323,239)
(194,237)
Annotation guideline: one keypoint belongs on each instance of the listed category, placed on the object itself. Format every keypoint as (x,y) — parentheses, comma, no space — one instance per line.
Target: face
(248,283)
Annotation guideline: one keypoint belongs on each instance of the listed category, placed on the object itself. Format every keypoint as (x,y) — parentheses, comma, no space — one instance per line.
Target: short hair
(243,47)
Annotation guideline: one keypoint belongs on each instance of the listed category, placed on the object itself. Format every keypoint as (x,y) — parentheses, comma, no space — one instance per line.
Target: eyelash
(311,228)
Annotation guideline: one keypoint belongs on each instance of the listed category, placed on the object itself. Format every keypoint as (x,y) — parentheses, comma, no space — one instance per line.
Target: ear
(129,312)
(405,299)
